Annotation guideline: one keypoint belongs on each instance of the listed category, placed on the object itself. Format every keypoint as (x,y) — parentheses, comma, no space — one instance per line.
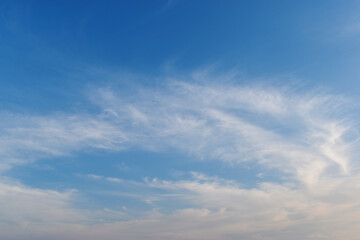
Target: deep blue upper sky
(49,39)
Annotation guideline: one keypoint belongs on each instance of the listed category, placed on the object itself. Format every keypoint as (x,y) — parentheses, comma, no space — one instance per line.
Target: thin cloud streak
(291,132)
(299,134)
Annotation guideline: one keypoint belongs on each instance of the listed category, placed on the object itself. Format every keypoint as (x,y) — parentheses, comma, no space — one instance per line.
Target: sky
(179,119)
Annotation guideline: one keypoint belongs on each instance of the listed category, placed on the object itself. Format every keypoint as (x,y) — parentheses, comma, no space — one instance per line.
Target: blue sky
(179,120)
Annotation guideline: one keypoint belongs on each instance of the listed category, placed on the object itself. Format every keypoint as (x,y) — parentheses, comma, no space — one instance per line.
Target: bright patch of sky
(179,120)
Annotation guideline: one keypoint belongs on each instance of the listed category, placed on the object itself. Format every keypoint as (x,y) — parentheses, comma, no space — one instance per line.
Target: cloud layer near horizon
(307,138)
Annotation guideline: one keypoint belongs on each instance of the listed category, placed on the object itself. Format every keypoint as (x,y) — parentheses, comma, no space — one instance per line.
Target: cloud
(29,138)
(25,210)
(223,209)
(301,134)
(306,137)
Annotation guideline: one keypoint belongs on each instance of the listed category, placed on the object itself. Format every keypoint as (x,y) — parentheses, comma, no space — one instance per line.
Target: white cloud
(28,138)
(306,137)
(300,134)
(25,210)
(224,210)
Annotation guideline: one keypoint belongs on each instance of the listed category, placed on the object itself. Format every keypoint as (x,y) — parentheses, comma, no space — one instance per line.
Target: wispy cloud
(307,137)
(302,134)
